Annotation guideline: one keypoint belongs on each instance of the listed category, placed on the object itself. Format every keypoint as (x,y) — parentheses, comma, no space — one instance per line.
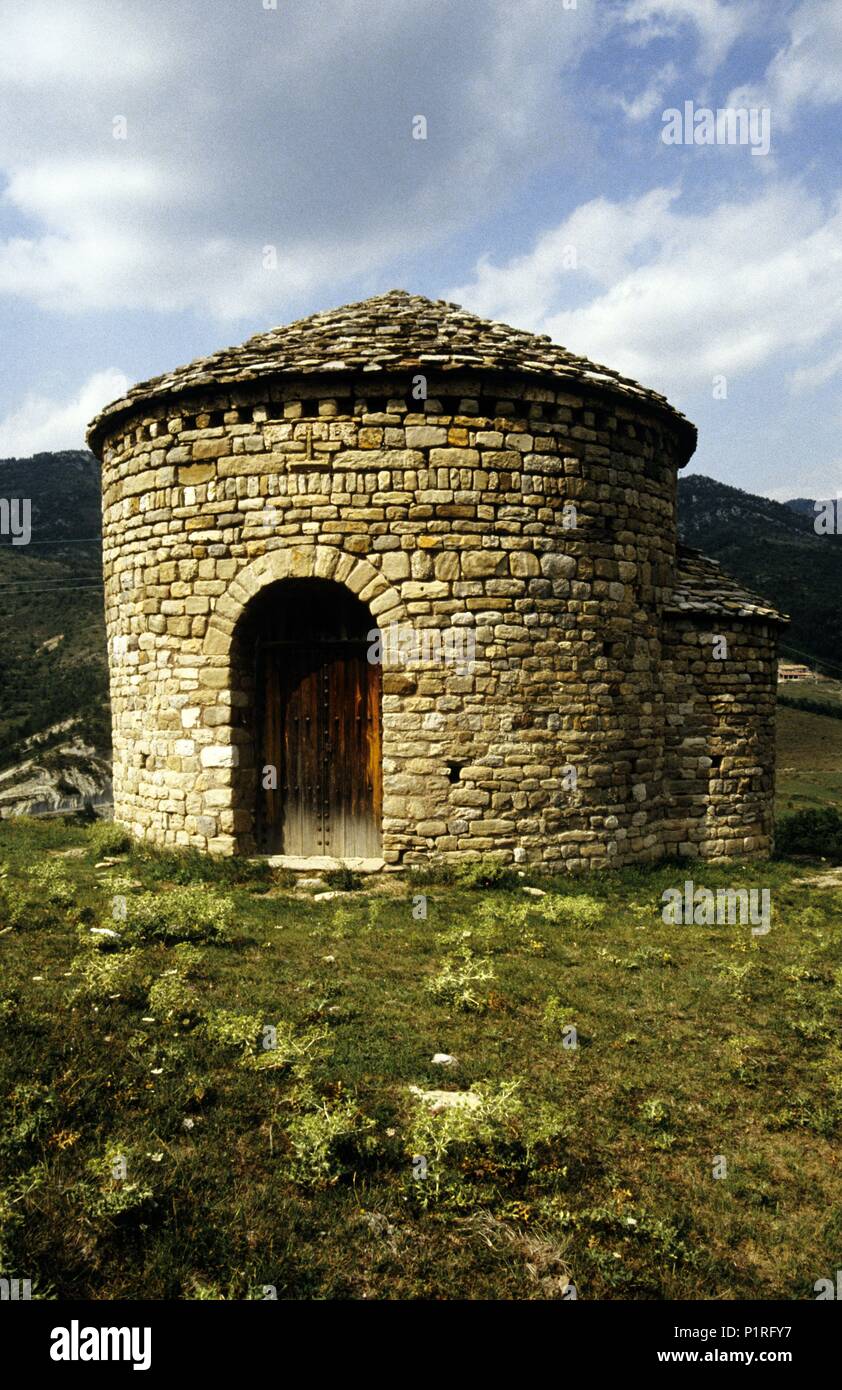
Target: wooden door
(320,728)
(351,759)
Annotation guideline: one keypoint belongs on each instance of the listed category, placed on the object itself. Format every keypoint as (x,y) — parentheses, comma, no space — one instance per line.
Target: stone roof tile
(389,332)
(702,588)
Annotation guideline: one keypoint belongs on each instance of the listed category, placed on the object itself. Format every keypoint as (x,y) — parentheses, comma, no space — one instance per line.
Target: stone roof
(702,588)
(394,332)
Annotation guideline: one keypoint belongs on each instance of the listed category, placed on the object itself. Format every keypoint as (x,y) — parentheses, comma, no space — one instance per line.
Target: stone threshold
(320,863)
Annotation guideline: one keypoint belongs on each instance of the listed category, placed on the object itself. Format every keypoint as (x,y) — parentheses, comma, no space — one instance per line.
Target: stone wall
(456,510)
(720,743)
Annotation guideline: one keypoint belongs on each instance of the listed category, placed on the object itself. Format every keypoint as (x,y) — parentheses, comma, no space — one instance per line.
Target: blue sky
(543,195)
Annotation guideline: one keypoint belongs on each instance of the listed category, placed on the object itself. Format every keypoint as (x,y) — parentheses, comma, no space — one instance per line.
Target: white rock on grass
(447,1100)
(443,1059)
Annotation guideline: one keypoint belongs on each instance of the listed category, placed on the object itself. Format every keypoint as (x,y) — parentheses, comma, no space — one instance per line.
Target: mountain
(808,506)
(772,548)
(54,721)
(804,505)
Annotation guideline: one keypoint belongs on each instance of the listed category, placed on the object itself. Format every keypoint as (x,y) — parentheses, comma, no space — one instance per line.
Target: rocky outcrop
(70,776)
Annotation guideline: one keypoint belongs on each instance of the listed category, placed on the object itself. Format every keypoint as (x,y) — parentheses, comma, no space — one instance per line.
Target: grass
(204,1119)
(809,758)
(826,692)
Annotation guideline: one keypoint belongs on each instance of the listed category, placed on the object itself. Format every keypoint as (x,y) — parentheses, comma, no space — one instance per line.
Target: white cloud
(70,192)
(675,298)
(604,237)
(249,128)
(61,44)
(816,374)
(39,424)
(288,128)
(651,99)
(807,70)
(716,23)
(819,483)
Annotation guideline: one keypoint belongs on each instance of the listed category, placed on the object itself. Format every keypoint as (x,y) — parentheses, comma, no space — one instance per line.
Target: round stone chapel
(396,584)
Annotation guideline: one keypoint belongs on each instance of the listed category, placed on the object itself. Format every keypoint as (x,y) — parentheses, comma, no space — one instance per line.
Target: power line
(63,589)
(71,540)
(810,656)
(50,578)
(31,586)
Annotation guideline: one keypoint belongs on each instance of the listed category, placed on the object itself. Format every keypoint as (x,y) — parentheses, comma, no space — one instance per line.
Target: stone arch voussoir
(298,562)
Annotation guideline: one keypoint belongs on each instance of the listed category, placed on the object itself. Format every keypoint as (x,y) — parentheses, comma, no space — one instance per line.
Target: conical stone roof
(393,332)
(702,588)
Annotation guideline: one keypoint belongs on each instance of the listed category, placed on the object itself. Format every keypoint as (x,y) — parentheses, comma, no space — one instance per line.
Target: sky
(176,177)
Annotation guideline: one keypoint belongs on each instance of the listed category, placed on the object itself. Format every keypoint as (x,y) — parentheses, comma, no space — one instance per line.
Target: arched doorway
(316,722)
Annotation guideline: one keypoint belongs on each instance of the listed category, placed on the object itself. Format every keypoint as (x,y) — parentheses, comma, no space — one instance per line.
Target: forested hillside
(53,676)
(772,547)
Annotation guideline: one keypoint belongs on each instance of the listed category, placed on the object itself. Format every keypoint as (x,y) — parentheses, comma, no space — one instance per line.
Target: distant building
(791,671)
